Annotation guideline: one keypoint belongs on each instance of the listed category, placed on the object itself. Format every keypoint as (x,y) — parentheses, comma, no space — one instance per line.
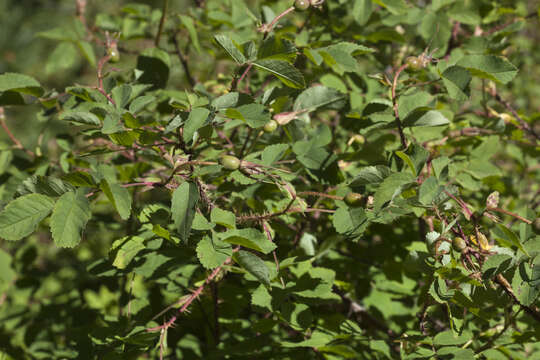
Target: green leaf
(449,338)
(489,67)
(273,153)
(371,175)
(70,215)
(277,49)
(140,103)
(457,81)
(63,57)
(121,95)
(350,221)
(253,265)
(153,66)
(80,117)
(232,48)
(526,283)
(391,187)
(255,115)
(183,206)
(192,31)
(21,83)
(119,197)
(496,264)
(213,252)
(395,7)
(284,71)
(508,238)
(425,117)
(126,249)
(362,10)
(223,217)
(428,190)
(21,216)
(249,238)
(197,118)
(318,97)
(88,52)
(79,178)
(46,185)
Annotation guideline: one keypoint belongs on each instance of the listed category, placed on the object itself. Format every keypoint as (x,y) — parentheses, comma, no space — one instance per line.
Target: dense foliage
(255,179)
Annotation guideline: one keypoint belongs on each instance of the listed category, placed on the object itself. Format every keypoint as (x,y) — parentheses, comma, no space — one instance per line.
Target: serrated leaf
(273,153)
(20,83)
(80,117)
(284,71)
(197,118)
(230,47)
(119,197)
(425,117)
(362,10)
(254,115)
(140,103)
(223,217)
(213,252)
(126,249)
(249,238)
(508,238)
(183,206)
(490,67)
(121,95)
(254,265)
(350,221)
(318,97)
(21,216)
(428,190)
(457,81)
(192,31)
(371,175)
(70,215)
(391,187)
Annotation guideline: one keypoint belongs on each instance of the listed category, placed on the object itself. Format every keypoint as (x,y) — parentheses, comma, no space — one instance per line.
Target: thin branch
(525,125)
(193,296)
(12,137)
(161,22)
(510,214)
(267,28)
(501,280)
(183,61)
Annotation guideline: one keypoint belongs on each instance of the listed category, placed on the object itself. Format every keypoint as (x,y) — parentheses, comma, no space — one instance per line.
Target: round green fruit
(230,162)
(270,126)
(414,63)
(459,244)
(114,55)
(302,5)
(353,199)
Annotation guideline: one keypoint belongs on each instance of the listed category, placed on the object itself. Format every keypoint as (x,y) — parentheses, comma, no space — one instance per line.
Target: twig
(510,108)
(161,21)
(12,137)
(508,289)
(183,61)
(319,194)
(193,296)
(511,214)
(396,110)
(259,217)
(100,87)
(267,28)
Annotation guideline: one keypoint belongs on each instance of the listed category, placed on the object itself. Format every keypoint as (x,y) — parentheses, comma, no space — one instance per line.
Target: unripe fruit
(114,54)
(353,199)
(270,126)
(414,63)
(230,162)
(302,5)
(459,244)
